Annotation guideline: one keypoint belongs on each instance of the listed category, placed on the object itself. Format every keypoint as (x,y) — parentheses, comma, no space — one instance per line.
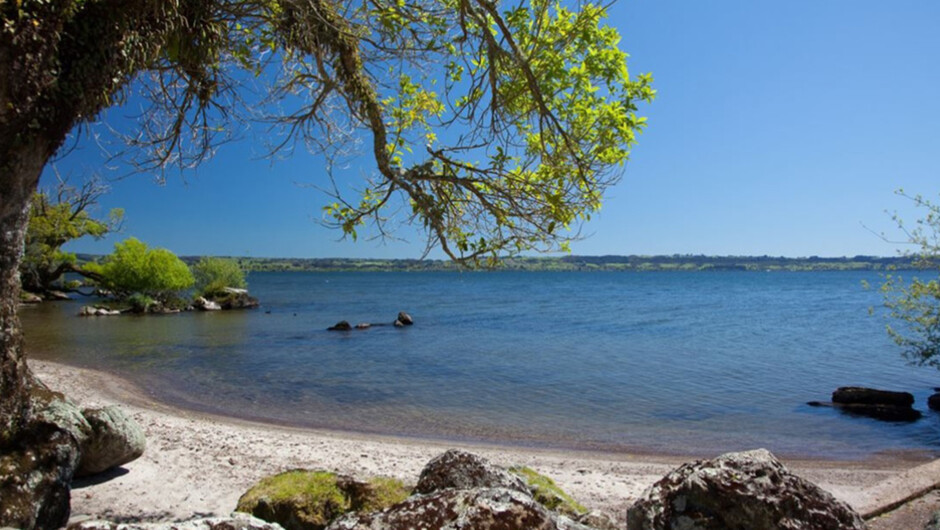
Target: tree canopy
(133,268)
(54,220)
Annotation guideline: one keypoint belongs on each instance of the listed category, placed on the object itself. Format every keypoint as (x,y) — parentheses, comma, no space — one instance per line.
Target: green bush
(134,268)
(213,275)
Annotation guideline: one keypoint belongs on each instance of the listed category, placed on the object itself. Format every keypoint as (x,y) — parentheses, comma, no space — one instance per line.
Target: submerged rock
(745,490)
(457,469)
(115,439)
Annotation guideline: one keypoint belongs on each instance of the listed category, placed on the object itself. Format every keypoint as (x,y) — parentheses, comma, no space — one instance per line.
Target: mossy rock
(310,500)
(547,493)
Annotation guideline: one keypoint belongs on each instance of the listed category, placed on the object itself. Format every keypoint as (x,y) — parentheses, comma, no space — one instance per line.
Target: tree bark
(18,180)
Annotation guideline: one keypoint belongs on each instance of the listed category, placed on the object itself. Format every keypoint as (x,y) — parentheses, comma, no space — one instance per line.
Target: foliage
(134,268)
(915,305)
(547,493)
(53,222)
(213,275)
(495,127)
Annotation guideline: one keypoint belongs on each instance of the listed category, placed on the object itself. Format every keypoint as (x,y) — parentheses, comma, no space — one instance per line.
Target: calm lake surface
(683,363)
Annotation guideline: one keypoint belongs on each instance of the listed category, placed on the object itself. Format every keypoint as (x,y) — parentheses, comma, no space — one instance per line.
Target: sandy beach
(199,465)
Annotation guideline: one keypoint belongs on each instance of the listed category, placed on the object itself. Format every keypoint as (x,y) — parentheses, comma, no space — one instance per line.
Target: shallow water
(684,363)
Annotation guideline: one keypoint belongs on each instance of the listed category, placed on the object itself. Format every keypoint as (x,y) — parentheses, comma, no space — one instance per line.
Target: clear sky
(780,128)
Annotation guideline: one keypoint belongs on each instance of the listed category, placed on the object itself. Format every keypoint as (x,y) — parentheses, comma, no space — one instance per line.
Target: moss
(547,493)
(297,500)
(384,492)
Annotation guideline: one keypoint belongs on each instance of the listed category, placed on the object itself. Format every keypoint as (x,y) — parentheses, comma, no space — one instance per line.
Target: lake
(680,363)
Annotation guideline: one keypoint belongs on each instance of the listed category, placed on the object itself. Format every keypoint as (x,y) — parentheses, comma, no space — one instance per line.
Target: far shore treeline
(689,263)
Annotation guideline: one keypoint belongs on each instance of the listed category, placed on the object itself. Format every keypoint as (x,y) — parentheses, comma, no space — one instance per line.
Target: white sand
(199,465)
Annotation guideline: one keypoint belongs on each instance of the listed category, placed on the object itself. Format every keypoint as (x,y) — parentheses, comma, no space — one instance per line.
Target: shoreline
(198,464)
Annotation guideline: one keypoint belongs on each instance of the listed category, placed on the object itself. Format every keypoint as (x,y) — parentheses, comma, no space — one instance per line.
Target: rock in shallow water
(870,396)
(746,490)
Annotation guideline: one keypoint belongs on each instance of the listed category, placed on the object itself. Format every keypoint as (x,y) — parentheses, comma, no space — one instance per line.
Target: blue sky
(780,128)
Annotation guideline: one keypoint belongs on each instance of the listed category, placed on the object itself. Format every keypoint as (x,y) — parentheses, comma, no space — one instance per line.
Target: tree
(135,269)
(915,305)
(213,275)
(527,120)
(53,222)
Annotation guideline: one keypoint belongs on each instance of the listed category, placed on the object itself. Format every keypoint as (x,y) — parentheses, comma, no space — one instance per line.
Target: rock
(237,521)
(36,473)
(934,401)
(310,500)
(206,305)
(87,311)
(405,319)
(115,439)
(466,509)
(363,325)
(105,312)
(398,324)
(235,299)
(934,522)
(547,493)
(57,295)
(597,521)
(880,412)
(750,489)
(879,404)
(29,298)
(869,396)
(342,325)
(462,470)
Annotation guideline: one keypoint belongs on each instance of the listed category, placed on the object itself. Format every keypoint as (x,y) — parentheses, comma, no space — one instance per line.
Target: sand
(198,465)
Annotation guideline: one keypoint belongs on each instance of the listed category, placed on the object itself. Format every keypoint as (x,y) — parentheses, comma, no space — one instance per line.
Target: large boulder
(746,490)
(457,469)
(310,500)
(462,509)
(36,473)
(115,439)
(237,521)
(405,319)
(29,298)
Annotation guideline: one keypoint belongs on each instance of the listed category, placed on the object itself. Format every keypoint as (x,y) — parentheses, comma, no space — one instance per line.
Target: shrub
(213,275)
(134,268)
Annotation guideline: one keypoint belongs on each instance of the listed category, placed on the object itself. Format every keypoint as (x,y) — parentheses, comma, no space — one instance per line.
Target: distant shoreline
(672,263)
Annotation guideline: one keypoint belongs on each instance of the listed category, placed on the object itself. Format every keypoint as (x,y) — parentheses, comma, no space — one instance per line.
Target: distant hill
(675,262)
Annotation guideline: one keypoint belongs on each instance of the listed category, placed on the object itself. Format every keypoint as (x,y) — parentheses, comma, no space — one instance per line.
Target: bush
(213,275)
(134,268)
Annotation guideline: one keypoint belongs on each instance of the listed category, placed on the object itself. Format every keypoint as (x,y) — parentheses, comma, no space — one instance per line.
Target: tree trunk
(18,180)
